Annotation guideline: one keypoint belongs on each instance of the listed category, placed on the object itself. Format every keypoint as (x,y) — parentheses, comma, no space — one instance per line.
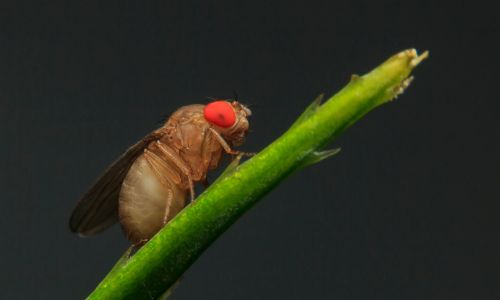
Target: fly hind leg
(162,172)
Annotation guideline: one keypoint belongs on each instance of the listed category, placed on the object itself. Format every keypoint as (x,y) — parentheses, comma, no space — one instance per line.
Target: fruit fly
(150,183)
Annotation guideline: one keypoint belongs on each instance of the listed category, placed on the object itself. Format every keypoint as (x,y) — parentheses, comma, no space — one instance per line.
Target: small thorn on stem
(419,58)
(399,89)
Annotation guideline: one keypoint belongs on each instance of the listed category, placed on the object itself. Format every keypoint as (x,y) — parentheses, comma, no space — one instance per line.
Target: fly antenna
(235,95)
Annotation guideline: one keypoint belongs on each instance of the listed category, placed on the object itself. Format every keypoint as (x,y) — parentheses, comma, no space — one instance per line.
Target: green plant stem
(161,262)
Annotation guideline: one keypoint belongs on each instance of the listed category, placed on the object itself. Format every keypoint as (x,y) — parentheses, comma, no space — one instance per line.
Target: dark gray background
(408,210)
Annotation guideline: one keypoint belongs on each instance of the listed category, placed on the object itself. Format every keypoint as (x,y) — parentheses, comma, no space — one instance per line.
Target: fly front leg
(226,146)
(179,163)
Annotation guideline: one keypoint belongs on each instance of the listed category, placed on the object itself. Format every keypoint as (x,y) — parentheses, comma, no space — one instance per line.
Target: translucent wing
(98,208)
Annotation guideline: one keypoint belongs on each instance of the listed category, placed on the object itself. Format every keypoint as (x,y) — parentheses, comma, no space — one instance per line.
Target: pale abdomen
(145,200)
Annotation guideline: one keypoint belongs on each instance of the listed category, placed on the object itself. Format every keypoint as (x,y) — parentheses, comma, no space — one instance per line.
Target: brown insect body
(151,182)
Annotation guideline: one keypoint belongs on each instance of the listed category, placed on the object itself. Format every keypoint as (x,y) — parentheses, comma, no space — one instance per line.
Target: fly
(153,180)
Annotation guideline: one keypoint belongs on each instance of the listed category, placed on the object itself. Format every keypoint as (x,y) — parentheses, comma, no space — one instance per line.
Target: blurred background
(408,210)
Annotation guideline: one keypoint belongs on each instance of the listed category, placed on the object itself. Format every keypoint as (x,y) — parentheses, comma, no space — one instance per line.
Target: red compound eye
(220,113)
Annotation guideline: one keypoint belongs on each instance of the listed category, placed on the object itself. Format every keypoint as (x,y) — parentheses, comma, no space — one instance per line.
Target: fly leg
(205,183)
(161,171)
(135,247)
(179,163)
(226,146)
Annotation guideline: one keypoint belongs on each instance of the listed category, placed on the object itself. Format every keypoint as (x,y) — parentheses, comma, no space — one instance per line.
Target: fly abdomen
(149,197)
